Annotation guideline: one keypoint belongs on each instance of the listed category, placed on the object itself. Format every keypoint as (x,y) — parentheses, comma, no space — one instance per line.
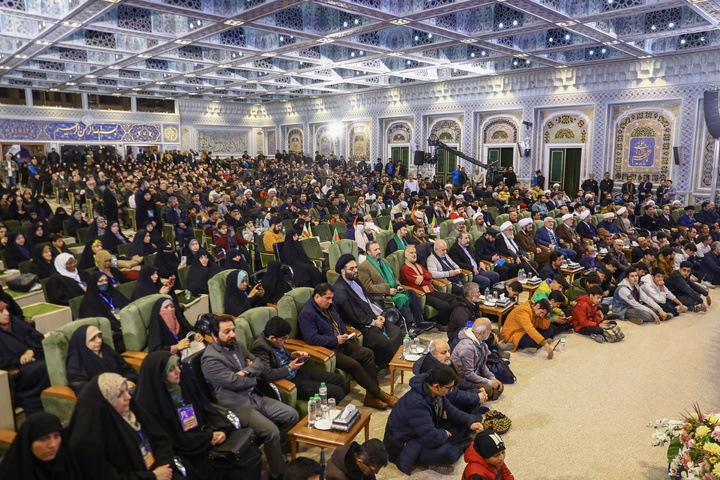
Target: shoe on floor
(442,469)
(390,399)
(506,347)
(530,350)
(425,326)
(597,337)
(635,320)
(414,332)
(375,403)
(612,316)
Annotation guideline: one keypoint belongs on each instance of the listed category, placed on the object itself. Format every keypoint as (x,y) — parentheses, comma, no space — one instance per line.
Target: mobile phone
(352,335)
(170,282)
(183,259)
(304,359)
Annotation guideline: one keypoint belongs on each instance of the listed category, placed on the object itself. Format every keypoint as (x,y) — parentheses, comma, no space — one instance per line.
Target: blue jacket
(586,230)
(706,218)
(686,221)
(542,237)
(464,396)
(315,328)
(173,217)
(547,272)
(609,227)
(455,177)
(414,425)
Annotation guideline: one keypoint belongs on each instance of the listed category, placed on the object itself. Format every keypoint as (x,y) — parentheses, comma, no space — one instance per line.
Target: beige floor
(584,414)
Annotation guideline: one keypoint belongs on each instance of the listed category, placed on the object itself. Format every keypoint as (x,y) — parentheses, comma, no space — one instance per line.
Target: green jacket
(577,290)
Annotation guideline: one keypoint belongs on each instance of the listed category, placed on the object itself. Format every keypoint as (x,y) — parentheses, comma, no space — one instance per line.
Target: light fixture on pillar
(524,145)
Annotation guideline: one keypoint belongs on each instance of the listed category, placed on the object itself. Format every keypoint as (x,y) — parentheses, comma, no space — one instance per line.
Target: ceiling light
(468,40)
(500,25)
(483,53)
(357,22)
(182,42)
(168,98)
(646,56)
(472,54)
(671,25)
(429,35)
(604,50)
(219,88)
(567,36)
(653,27)
(43,42)
(117,94)
(53,89)
(614,42)
(136,89)
(192,93)
(527,62)
(189,75)
(115,67)
(550,39)
(144,56)
(71,83)
(71,24)
(90,76)
(160,83)
(21,56)
(565,24)
(560,66)
(225,65)
(345,24)
(400,21)
(394,54)
(592,52)
(697,1)
(325,40)
(234,23)
(522,55)
(270,54)
(515,22)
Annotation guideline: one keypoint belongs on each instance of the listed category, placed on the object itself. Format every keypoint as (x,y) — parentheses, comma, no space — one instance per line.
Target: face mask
(103,287)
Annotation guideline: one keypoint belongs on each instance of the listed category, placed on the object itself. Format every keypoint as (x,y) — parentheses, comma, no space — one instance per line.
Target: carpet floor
(584,413)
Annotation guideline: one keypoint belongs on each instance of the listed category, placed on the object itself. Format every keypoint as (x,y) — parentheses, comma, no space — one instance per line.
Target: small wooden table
(572,272)
(400,364)
(499,311)
(327,438)
(526,287)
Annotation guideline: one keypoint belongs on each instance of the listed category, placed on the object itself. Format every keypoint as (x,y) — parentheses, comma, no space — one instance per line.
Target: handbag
(238,450)
(23,283)
(612,334)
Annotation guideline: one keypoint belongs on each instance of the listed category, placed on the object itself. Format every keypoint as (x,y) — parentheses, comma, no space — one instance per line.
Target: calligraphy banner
(643,145)
(34,130)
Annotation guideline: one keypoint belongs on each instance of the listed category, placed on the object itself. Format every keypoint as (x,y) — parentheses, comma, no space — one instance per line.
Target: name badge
(151,213)
(147,454)
(116,312)
(187,417)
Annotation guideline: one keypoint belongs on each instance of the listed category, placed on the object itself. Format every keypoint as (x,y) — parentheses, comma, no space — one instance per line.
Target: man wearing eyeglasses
(425,427)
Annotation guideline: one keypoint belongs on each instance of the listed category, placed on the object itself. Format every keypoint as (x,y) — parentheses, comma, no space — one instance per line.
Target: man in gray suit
(233,372)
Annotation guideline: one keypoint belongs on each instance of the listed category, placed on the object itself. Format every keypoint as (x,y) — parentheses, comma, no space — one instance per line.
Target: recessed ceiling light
(182,42)
(400,21)
(70,83)
(468,40)
(114,67)
(225,65)
(90,76)
(160,83)
(117,94)
(192,93)
(270,54)
(113,1)
(43,42)
(168,98)
(325,40)
(560,66)
(53,89)
(144,56)
(394,54)
(136,89)
(522,55)
(645,56)
(219,88)
(614,42)
(189,75)
(234,23)
(72,24)
(21,56)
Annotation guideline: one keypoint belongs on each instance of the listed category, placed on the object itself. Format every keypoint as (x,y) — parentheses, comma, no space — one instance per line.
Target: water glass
(331,405)
(416,345)
(325,413)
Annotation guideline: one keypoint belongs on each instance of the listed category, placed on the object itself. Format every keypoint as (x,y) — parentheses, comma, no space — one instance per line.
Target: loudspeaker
(419,157)
(712,112)
(678,155)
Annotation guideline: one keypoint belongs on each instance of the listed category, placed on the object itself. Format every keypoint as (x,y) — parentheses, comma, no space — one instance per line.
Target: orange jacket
(520,321)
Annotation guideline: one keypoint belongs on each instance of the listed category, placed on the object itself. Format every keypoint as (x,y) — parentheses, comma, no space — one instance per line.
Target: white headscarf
(110,385)
(60,262)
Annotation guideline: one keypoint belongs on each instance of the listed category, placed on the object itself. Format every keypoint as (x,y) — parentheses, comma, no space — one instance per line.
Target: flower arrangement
(693,445)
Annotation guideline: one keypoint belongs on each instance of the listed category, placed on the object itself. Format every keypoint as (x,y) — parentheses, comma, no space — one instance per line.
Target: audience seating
(216,289)
(335,251)
(135,319)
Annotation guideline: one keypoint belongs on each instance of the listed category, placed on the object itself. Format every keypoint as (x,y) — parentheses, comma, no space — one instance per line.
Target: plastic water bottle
(187,295)
(521,274)
(323,394)
(318,410)
(311,412)
(406,346)
(283,231)
(561,347)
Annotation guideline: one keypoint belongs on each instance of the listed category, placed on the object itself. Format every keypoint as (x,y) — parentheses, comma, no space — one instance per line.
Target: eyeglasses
(448,387)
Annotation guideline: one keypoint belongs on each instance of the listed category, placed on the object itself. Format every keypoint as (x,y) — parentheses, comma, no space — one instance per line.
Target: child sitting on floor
(585,318)
(485,458)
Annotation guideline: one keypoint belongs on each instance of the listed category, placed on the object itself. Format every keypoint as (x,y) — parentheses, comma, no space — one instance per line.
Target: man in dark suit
(645,189)
(110,202)
(629,188)
(279,363)
(233,372)
(358,309)
(590,185)
(546,237)
(508,247)
(586,230)
(606,185)
(462,254)
(648,220)
(180,218)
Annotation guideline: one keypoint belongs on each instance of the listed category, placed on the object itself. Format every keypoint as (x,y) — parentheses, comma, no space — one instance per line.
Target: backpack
(501,370)
(613,334)
(23,283)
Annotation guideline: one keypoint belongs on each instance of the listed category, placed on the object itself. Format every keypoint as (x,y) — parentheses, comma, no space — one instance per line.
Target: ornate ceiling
(257,51)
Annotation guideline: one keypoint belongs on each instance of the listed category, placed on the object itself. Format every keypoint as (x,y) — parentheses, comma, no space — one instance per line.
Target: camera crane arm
(492,169)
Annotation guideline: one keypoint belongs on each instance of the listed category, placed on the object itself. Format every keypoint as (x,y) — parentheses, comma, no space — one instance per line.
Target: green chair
(182,276)
(323,231)
(537,224)
(340,227)
(288,225)
(135,319)
(124,249)
(24,267)
(335,251)
(74,305)
(445,227)
(216,288)
(265,256)
(500,219)
(82,235)
(127,289)
(383,238)
(59,399)
(382,222)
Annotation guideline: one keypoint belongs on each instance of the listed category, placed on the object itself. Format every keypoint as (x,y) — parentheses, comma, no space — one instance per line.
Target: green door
(506,157)
(402,154)
(557,166)
(445,165)
(565,168)
(494,155)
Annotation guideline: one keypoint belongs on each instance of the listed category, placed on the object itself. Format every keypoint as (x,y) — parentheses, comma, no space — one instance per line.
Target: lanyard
(174,336)
(109,302)
(179,400)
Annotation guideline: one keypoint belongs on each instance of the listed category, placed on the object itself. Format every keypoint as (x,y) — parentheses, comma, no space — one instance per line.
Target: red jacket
(222,243)
(478,468)
(585,314)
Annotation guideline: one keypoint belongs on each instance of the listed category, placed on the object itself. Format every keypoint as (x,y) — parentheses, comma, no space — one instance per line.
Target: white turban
(609,215)
(459,220)
(475,217)
(524,222)
(621,211)
(584,214)
(247,191)
(505,226)
(567,216)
